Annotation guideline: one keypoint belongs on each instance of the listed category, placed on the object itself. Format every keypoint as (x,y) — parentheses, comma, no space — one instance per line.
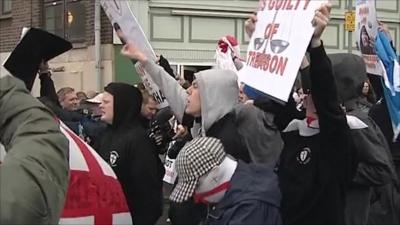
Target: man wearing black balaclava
(131,154)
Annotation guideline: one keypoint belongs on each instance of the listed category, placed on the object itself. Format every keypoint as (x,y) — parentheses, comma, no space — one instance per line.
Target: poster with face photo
(367,28)
(127,28)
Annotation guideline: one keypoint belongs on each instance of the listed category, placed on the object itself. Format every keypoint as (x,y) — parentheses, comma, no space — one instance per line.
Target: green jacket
(34,173)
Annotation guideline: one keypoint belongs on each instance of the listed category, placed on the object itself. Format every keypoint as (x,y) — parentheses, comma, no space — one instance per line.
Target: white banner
(278,45)
(128,28)
(367,28)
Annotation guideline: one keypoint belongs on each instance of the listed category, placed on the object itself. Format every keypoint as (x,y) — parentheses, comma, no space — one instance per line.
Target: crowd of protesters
(327,156)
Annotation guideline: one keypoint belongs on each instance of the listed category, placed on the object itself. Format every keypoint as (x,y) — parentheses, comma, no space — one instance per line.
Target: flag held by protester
(391,80)
(94,194)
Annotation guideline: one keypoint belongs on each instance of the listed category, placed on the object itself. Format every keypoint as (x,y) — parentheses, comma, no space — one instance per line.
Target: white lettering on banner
(278,44)
(170,172)
(128,28)
(367,29)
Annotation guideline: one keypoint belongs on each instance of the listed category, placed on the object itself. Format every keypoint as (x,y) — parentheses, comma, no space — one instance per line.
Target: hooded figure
(375,170)
(246,132)
(317,160)
(127,148)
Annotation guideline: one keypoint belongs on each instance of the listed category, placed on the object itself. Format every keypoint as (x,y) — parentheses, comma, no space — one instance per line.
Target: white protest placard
(278,44)
(128,29)
(119,13)
(367,29)
(170,172)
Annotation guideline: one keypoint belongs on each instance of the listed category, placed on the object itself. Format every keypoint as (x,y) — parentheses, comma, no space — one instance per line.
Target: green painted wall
(124,69)
(186,31)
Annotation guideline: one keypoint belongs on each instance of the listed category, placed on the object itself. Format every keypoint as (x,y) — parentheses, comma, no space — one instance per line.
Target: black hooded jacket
(375,170)
(314,169)
(134,159)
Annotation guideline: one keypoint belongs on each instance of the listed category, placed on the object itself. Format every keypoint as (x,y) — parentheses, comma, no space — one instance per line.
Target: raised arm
(337,143)
(47,88)
(323,88)
(174,93)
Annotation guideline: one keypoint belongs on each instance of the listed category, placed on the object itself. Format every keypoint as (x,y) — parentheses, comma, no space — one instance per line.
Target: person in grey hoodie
(246,132)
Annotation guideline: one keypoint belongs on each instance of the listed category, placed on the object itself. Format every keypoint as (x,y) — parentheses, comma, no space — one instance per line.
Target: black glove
(161,135)
(167,67)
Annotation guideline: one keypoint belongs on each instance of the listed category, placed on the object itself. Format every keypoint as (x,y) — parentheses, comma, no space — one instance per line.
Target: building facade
(70,19)
(184,31)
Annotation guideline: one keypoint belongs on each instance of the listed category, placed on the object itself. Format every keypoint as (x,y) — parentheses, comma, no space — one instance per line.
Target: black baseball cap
(35,46)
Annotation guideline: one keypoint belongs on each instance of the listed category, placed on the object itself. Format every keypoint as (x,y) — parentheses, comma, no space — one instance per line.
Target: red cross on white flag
(94,195)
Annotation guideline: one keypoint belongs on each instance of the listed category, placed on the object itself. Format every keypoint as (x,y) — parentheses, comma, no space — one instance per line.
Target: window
(66,18)
(5,7)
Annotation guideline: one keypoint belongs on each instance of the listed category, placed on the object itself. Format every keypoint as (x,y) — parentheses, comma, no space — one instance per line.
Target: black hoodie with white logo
(133,157)
(317,161)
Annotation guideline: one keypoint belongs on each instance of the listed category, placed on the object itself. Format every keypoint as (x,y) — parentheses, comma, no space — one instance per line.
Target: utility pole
(97,44)
(350,33)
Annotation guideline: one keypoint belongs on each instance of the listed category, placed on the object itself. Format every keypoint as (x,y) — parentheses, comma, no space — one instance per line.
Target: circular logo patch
(113,158)
(304,156)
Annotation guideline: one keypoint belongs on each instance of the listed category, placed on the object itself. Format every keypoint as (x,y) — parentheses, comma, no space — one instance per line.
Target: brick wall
(29,13)
(25,13)
(106,28)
